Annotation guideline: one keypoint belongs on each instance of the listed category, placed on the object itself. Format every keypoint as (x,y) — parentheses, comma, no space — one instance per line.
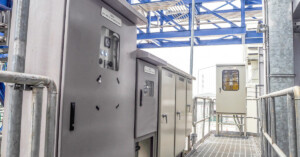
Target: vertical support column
(191,25)
(149,22)
(292,126)
(37,101)
(13,108)
(280,57)
(273,122)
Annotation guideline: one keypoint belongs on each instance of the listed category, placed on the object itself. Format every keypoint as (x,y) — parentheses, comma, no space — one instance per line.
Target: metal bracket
(22,87)
(261,28)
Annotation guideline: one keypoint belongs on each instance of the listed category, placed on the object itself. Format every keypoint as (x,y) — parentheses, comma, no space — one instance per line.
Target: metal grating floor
(228,147)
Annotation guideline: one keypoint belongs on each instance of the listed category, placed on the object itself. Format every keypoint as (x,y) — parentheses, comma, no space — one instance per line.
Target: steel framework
(217,22)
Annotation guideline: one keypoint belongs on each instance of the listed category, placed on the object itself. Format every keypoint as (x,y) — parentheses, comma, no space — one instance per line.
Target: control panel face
(109,53)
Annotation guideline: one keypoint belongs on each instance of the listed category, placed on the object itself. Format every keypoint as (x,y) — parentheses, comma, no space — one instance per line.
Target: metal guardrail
(206,101)
(293,110)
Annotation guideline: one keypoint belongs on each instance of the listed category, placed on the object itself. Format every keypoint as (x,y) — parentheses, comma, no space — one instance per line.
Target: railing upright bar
(292,126)
(209,115)
(273,124)
(297,108)
(203,128)
(264,124)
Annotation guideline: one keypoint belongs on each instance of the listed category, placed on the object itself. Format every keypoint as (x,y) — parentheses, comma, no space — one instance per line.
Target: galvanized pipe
(264,124)
(273,122)
(37,101)
(36,80)
(17,64)
(275,146)
(297,108)
(292,126)
(203,128)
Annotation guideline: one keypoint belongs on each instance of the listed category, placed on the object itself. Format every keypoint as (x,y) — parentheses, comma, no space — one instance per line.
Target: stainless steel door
(146,99)
(189,107)
(166,114)
(180,115)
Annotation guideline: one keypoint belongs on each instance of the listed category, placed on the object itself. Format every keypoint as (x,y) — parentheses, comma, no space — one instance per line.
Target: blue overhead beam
(234,41)
(219,16)
(184,34)
(154,18)
(5,4)
(185,1)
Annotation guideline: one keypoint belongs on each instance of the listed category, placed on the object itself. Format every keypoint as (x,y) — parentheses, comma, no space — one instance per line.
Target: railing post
(292,125)
(37,103)
(209,116)
(264,126)
(273,122)
(297,106)
(203,128)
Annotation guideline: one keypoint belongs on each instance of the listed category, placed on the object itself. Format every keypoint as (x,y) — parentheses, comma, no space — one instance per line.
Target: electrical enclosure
(231,89)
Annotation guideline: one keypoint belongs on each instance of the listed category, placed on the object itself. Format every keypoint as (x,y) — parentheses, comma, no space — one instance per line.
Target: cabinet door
(231,86)
(180,115)
(189,107)
(146,99)
(166,114)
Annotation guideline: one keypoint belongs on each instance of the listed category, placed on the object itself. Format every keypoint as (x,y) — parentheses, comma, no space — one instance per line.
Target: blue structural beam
(184,34)
(248,9)
(253,2)
(185,1)
(5,4)
(234,41)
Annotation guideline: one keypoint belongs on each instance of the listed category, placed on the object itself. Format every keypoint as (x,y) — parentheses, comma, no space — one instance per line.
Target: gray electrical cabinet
(146,107)
(180,121)
(166,127)
(85,46)
(189,106)
(175,110)
(231,85)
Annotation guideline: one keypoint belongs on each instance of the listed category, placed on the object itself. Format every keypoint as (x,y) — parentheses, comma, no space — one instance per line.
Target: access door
(180,115)
(189,106)
(231,91)
(146,99)
(166,114)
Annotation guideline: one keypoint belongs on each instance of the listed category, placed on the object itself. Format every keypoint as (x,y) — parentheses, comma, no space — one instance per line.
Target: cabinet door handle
(165,116)
(141,97)
(179,114)
(72,116)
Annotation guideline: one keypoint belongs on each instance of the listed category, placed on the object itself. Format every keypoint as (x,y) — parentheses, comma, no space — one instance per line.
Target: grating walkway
(228,147)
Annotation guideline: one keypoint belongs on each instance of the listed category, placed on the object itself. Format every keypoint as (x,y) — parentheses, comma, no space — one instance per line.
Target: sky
(205,59)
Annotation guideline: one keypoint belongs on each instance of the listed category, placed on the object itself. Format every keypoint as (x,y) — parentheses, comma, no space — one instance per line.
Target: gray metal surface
(146,105)
(280,60)
(166,116)
(108,130)
(189,107)
(228,147)
(148,57)
(124,8)
(180,119)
